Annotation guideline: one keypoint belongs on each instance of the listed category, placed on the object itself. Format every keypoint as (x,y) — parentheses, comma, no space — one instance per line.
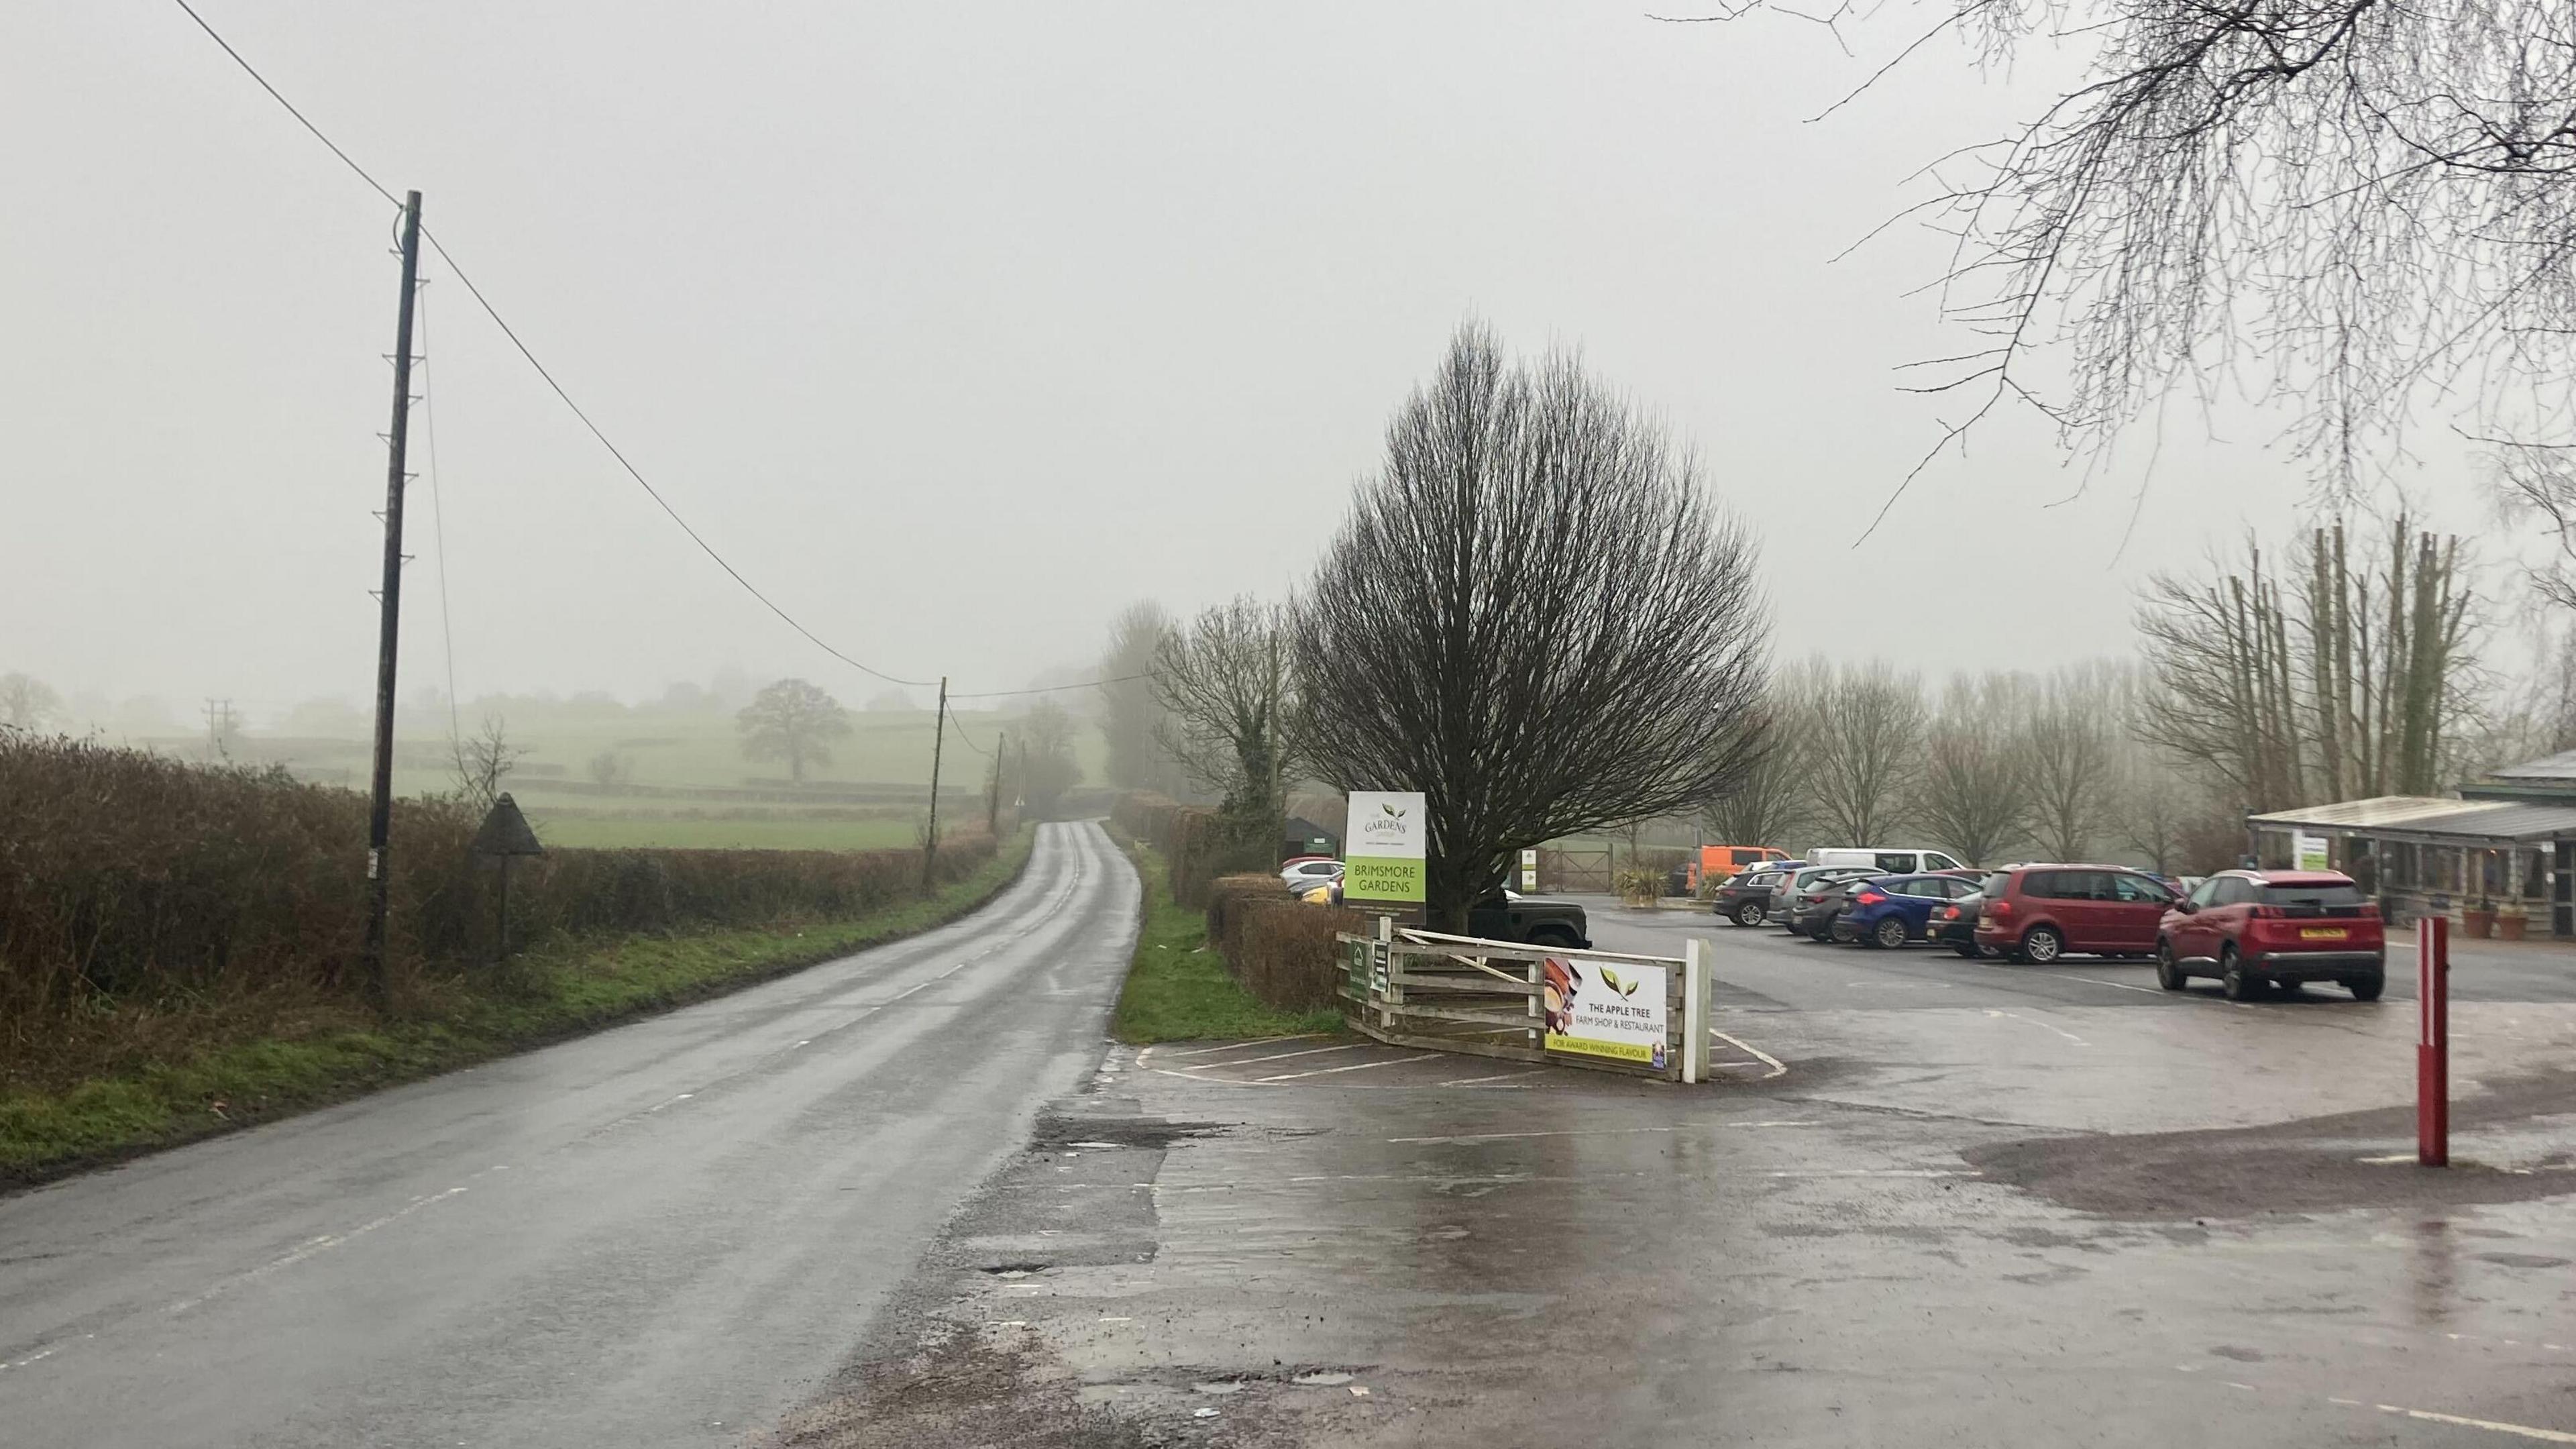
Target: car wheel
(1889,935)
(1821,931)
(2169,972)
(2367,988)
(1555,938)
(1749,914)
(2233,978)
(1967,949)
(2041,945)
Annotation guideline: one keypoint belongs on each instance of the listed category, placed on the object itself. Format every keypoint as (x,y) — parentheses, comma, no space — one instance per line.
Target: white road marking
(1353,1067)
(1236,1046)
(658,1106)
(1778,1067)
(1281,1056)
(1872,1172)
(1594,1132)
(312,1247)
(1497,1077)
(2123,985)
(2034,1021)
(2546,1436)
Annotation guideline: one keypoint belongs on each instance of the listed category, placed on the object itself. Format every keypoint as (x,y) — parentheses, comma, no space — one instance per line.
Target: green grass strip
(559,990)
(1177,987)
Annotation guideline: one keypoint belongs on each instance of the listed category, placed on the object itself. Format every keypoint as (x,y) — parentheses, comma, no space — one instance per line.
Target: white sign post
(1385,842)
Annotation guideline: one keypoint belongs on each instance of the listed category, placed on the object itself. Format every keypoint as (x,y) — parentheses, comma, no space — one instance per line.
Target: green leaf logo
(1390,810)
(1612,977)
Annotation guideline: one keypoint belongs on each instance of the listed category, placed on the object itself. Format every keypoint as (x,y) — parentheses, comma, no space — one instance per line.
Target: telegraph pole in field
(930,839)
(389,600)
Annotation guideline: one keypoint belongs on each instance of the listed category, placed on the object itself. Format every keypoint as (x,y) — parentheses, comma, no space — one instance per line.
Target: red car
(2250,928)
(2037,913)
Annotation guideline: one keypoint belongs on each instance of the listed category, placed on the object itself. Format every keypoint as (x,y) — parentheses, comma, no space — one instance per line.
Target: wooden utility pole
(389,622)
(930,838)
(993,792)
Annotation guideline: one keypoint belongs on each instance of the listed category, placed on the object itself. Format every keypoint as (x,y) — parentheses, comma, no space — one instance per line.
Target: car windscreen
(2312,897)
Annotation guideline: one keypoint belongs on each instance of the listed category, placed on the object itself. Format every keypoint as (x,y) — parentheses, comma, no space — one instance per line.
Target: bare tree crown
(1535,615)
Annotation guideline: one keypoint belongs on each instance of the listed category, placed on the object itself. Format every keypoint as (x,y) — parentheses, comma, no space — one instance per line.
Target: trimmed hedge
(137,880)
(1281,950)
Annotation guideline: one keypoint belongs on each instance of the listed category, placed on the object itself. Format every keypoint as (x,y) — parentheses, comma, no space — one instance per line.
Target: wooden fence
(1489,999)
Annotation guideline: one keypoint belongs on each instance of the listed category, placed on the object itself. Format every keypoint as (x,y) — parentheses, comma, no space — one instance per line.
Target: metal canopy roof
(2425,817)
(2559,767)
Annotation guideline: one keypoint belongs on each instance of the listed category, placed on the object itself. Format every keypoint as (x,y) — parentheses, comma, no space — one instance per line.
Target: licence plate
(2321,933)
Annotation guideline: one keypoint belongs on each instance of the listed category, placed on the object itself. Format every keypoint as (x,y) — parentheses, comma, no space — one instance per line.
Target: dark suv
(1510,916)
(1746,898)
(2250,928)
(2037,913)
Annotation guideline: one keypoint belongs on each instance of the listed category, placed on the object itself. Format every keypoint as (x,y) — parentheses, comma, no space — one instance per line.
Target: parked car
(2037,913)
(1746,899)
(1889,910)
(1954,924)
(1301,876)
(2252,928)
(1793,889)
(1507,915)
(1819,908)
(1880,860)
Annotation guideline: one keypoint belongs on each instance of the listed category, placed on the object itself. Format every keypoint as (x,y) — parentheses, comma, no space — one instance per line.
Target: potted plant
(2511,923)
(2477,918)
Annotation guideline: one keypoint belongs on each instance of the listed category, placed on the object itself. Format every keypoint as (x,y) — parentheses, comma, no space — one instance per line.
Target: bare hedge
(132,876)
(1281,949)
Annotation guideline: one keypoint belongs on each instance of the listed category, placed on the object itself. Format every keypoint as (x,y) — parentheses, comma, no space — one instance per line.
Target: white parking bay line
(2493,1426)
(1280,1056)
(1236,1046)
(2123,985)
(1353,1067)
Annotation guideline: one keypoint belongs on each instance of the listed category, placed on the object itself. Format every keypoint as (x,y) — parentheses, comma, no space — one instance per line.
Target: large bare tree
(1536,616)
(2345,207)
(27,703)
(2342,674)
(1767,802)
(794,721)
(1976,796)
(1865,758)
(1230,709)
(2070,744)
(1132,715)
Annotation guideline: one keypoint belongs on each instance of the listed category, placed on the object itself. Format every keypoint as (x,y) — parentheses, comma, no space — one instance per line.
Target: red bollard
(2433,1045)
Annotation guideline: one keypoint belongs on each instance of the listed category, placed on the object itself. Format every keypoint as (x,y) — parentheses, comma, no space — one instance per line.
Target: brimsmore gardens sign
(1383,846)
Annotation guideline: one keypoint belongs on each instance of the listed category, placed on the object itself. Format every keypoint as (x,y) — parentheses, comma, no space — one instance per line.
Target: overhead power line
(595,431)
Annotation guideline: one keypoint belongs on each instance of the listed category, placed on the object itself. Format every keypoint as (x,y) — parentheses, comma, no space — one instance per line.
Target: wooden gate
(1574,868)
(1488,998)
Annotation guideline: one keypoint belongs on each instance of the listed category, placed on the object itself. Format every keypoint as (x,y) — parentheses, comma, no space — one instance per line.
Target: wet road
(655,1236)
(1976,1204)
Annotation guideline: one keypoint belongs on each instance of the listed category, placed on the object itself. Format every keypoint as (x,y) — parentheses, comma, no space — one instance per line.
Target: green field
(682,779)
(617,832)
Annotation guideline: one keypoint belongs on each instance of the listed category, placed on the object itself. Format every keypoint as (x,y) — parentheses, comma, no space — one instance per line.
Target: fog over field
(957,330)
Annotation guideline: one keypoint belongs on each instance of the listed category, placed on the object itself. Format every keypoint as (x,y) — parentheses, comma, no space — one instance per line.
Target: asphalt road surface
(1928,1202)
(667,1233)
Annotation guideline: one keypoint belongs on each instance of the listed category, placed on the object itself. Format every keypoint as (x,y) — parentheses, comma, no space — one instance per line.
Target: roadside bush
(1284,952)
(1191,840)
(1639,887)
(1231,897)
(130,880)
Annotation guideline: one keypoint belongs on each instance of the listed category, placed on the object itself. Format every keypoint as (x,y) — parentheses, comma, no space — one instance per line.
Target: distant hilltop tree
(889,701)
(790,721)
(27,703)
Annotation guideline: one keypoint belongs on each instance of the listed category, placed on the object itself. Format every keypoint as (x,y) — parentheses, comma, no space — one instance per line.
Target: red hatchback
(2037,913)
(2250,928)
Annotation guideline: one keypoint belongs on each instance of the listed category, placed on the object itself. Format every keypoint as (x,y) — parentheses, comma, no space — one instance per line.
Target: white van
(1885,862)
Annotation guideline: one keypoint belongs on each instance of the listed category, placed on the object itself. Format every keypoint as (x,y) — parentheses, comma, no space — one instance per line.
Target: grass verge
(1177,987)
(559,990)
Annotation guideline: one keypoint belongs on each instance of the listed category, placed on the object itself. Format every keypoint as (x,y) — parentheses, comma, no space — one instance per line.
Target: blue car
(1890,910)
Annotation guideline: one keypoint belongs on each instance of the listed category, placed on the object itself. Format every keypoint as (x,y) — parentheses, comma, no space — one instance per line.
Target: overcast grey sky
(959,327)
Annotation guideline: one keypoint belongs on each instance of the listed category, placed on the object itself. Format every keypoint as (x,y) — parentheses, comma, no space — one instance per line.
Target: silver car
(1784,896)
